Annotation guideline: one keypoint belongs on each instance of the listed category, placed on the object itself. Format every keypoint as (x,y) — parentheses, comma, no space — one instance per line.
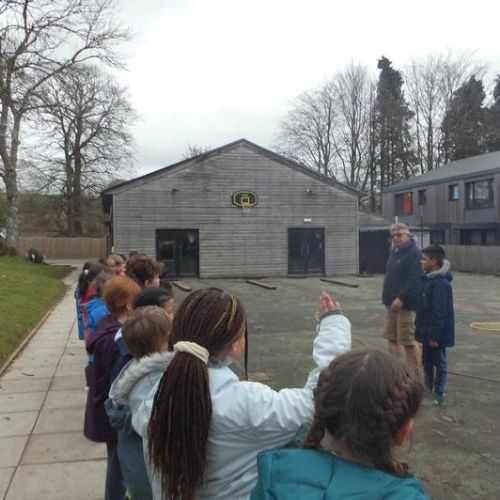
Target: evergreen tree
(493,120)
(393,144)
(463,126)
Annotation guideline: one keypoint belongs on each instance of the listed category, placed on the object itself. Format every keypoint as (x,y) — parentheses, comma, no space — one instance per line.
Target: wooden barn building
(237,211)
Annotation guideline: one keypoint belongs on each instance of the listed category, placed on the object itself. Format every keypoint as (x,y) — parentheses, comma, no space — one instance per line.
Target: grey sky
(208,72)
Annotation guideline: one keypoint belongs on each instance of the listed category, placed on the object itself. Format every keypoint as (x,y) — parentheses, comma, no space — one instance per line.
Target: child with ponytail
(202,426)
(365,403)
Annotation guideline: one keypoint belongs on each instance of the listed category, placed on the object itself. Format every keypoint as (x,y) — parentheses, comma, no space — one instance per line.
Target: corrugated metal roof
(468,167)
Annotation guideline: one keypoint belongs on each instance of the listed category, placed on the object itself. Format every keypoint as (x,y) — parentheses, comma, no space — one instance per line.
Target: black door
(306,251)
(178,250)
(374,247)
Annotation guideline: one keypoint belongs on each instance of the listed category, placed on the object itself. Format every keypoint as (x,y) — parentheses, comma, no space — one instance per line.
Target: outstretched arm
(289,408)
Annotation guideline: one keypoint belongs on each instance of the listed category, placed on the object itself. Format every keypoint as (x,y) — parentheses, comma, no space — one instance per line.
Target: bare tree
(327,128)
(306,132)
(431,83)
(424,85)
(38,41)
(195,150)
(87,139)
(352,119)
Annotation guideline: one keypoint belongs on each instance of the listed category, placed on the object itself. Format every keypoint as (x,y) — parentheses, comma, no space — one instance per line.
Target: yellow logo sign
(244,199)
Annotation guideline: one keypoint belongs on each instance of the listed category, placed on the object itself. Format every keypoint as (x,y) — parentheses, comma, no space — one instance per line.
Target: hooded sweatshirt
(95,310)
(313,474)
(435,318)
(402,275)
(132,384)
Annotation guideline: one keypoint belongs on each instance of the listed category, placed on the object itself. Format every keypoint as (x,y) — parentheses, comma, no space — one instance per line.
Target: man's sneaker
(428,401)
(434,399)
(438,398)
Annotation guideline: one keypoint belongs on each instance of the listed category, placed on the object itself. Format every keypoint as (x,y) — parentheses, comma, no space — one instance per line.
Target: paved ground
(455,450)
(43,453)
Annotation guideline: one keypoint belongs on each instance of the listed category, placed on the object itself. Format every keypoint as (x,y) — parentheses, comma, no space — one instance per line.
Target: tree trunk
(10,180)
(9,159)
(76,229)
(430,144)
(77,207)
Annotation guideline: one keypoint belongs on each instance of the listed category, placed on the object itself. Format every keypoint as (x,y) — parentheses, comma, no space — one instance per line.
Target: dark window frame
(398,203)
(422,197)
(466,237)
(453,192)
(437,237)
(471,201)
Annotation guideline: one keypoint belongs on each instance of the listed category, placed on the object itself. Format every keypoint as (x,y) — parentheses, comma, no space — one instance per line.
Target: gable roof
(368,219)
(475,166)
(266,152)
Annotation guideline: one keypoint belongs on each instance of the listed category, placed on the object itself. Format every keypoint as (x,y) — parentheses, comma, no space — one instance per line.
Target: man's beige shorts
(400,327)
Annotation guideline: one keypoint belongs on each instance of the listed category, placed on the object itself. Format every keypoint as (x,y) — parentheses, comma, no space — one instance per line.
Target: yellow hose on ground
(491,326)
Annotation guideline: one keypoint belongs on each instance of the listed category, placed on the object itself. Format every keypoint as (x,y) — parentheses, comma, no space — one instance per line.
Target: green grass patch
(27,291)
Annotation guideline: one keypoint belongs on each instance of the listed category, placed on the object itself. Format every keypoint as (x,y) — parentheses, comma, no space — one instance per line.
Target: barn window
(404,203)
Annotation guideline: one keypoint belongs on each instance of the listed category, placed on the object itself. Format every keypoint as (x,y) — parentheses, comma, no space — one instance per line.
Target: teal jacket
(307,474)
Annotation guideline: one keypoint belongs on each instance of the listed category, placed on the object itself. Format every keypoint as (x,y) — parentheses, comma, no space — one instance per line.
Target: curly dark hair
(182,407)
(363,399)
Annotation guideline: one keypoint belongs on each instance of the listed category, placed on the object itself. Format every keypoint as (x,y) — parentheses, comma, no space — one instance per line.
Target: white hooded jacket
(249,417)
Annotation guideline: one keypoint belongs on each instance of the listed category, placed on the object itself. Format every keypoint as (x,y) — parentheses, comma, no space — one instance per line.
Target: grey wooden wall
(238,242)
(474,259)
(438,209)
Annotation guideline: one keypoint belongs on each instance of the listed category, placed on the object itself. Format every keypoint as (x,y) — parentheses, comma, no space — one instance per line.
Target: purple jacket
(102,345)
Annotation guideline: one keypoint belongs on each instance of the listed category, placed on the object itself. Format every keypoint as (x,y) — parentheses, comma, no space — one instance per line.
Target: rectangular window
(421,197)
(478,237)
(490,237)
(437,237)
(479,194)
(404,203)
(453,192)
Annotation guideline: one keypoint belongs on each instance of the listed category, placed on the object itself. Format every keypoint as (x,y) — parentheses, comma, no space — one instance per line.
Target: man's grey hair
(400,227)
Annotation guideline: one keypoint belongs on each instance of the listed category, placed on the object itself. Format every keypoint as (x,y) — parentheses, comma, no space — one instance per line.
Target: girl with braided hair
(202,427)
(365,403)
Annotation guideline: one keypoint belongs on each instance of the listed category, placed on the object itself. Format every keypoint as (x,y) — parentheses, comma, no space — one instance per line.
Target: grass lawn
(27,291)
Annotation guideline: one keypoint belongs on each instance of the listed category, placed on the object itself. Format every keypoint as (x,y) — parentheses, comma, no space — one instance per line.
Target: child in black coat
(435,322)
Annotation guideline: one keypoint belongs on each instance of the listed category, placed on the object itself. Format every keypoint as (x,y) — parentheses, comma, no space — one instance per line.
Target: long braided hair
(363,399)
(182,407)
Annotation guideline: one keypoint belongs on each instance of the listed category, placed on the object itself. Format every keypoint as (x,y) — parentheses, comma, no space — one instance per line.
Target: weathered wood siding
(237,242)
(438,209)
(474,259)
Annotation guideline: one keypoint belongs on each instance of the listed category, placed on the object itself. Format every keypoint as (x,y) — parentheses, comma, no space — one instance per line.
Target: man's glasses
(397,235)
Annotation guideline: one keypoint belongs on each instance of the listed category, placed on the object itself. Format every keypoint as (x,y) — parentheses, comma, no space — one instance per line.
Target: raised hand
(327,303)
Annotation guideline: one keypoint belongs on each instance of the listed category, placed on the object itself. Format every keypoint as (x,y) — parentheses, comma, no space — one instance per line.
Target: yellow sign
(244,199)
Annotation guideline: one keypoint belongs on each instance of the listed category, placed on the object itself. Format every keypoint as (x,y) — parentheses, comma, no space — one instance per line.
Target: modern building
(237,211)
(459,202)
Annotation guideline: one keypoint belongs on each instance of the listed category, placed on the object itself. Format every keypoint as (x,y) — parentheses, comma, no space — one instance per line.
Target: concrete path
(43,453)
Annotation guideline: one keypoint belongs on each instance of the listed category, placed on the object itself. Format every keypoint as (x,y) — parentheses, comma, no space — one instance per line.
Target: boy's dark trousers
(115,487)
(435,368)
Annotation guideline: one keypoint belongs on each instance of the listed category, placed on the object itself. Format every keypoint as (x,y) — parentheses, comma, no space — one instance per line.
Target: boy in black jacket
(435,322)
